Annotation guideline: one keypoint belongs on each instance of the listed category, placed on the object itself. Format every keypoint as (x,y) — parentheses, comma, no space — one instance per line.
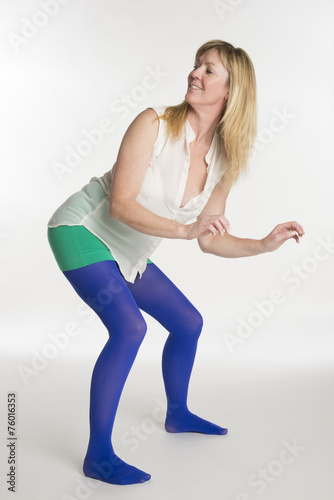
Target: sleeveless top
(161,192)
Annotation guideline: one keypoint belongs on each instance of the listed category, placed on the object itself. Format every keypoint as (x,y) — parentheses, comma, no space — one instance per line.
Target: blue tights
(118,303)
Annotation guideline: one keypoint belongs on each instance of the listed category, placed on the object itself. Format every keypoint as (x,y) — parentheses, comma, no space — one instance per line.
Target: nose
(196,72)
(195,75)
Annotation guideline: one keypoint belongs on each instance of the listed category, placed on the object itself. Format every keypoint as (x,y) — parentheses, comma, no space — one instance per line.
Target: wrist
(181,232)
(262,246)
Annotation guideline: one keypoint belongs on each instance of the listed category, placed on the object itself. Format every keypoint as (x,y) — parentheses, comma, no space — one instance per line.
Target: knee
(137,330)
(196,323)
(134,329)
(130,330)
(191,326)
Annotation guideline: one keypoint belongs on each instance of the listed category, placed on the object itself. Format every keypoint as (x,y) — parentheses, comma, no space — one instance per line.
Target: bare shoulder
(148,115)
(145,123)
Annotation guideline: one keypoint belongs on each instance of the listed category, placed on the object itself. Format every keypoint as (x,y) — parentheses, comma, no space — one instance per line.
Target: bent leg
(155,294)
(103,288)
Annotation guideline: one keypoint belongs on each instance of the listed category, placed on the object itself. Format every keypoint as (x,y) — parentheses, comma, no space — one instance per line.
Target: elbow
(112,213)
(115,210)
(204,245)
(122,210)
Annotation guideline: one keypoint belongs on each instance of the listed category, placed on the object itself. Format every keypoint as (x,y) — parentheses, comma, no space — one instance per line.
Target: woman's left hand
(280,234)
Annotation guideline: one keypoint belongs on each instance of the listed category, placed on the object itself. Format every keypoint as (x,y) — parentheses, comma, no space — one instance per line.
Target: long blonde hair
(237,125)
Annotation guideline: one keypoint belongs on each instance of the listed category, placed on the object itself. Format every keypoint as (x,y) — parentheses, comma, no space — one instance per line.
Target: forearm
(140,218)
(231,246)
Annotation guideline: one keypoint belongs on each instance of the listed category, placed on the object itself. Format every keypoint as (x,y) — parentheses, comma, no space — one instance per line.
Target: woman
(175,165)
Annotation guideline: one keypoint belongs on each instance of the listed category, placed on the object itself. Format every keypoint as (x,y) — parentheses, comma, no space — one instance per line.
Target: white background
(270,386)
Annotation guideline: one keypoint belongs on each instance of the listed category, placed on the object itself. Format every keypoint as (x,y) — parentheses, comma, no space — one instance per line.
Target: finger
(212,229)
(297,228)
(214,226)
(300,229)
(294,235)
(221,223)
(225,223)
(220,228)
(294,226)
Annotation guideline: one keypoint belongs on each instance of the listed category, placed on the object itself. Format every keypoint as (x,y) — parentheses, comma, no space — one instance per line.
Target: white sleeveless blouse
(161,192)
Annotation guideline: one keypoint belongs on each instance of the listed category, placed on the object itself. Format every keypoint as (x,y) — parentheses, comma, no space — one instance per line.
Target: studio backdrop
(74,74)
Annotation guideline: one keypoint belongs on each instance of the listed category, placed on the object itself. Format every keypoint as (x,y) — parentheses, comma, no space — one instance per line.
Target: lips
(196,87)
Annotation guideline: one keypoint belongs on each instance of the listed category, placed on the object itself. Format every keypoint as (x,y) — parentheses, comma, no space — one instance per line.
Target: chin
(189,98)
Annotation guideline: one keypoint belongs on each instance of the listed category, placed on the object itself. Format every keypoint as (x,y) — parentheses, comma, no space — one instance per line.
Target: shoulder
(147,117)
(145,127)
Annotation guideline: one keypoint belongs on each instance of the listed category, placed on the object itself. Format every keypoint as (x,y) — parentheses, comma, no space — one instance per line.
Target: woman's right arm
(132,162)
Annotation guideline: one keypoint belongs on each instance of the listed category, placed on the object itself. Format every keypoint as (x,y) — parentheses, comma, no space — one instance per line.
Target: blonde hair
(237,125)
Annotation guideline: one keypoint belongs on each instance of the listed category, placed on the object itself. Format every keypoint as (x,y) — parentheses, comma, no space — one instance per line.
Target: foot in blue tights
(185,421)
(111,469)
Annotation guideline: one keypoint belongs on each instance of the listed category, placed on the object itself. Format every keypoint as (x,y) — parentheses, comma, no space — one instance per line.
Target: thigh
(104,289)
(157,295)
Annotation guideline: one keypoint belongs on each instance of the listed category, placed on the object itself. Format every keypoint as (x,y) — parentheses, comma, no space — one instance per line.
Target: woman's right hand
(207,224)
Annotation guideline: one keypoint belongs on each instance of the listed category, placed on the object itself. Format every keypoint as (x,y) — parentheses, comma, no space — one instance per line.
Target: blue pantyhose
(118,303)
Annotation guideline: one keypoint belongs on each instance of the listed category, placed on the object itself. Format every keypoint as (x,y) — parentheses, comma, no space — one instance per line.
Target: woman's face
(208,82)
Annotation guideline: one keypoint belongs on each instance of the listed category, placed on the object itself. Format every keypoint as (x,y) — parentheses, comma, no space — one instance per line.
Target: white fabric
(161,192)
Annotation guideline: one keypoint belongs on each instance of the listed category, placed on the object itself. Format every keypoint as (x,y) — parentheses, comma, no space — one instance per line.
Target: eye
(209,71)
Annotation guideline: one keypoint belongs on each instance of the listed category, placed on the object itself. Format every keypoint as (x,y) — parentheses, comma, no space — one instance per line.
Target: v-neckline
(189,137)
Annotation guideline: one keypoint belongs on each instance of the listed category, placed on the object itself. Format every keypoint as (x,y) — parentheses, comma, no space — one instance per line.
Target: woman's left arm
(224,244)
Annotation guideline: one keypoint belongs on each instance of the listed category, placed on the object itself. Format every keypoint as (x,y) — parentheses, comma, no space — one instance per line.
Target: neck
(204,124)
